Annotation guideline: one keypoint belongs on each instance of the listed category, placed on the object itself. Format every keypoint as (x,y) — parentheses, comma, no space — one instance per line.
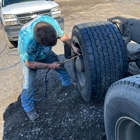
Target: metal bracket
(128,26)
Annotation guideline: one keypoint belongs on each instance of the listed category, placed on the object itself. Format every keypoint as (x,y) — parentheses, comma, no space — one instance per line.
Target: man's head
(45,34)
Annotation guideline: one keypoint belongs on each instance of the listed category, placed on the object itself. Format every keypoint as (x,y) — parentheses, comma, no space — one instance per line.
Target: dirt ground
(64,115)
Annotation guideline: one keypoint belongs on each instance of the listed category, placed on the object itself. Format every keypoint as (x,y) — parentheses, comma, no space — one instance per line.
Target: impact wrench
(46,81)
(70,58)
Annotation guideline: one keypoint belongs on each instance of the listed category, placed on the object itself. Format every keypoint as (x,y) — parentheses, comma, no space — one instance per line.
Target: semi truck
(109,70)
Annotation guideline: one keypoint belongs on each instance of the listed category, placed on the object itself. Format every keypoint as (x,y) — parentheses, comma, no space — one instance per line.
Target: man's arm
(39,65)
(66,39)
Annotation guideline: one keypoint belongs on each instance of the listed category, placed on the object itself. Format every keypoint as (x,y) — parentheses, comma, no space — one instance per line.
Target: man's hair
(45,34)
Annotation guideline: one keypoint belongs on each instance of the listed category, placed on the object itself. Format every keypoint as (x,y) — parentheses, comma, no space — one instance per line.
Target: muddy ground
(64,115)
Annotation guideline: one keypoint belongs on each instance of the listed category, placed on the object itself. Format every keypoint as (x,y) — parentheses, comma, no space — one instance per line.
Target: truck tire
(10,44)
(103,60)
(122,110)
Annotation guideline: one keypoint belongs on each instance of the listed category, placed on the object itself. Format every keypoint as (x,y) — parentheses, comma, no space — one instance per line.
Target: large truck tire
(103,60)
(9,44)
(122,110)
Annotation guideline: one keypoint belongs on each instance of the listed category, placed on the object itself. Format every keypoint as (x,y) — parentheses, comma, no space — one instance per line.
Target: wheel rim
(127,129)
(79,66)
(80,72)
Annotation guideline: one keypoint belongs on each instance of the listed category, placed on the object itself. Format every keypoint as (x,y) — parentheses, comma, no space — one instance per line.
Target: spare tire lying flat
(103,60)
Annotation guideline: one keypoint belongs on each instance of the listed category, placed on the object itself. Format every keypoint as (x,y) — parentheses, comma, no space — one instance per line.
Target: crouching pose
(35,48)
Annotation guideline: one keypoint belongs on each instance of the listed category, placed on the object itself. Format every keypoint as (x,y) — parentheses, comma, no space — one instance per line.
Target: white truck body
(16,13)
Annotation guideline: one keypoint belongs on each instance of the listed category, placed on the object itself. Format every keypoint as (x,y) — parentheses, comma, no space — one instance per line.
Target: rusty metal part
(129,27)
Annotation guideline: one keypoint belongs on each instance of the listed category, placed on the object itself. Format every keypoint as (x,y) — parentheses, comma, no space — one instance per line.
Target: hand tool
(70,58)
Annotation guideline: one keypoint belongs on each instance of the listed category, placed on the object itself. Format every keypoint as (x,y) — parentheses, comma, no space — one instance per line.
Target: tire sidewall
(86,89)
(120,104)
(104,57)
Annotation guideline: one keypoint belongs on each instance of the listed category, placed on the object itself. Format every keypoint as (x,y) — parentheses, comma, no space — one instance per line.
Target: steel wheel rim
(127,129)
(80,75)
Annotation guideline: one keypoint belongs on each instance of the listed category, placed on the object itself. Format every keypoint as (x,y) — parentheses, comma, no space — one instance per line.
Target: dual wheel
(103,60)
(122,110)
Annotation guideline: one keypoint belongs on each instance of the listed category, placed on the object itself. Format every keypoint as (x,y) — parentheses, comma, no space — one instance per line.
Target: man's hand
(54,65)
(66,39)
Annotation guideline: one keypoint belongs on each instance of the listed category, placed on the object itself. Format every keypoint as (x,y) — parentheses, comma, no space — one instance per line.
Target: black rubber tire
(122,100)
(10,44)
(104,57)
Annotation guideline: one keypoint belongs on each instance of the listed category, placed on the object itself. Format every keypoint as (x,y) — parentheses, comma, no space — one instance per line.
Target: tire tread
(105,50)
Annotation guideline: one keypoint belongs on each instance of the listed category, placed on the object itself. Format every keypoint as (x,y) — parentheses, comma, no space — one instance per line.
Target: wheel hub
(80,64)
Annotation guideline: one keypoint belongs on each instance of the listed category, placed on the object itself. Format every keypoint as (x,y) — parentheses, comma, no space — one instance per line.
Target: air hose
(9,53)
(45,93)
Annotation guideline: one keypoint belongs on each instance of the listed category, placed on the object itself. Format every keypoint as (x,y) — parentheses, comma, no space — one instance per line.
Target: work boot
(72,86)
(33,115)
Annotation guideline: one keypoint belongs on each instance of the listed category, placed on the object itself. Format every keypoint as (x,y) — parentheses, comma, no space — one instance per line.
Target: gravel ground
(63,113)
